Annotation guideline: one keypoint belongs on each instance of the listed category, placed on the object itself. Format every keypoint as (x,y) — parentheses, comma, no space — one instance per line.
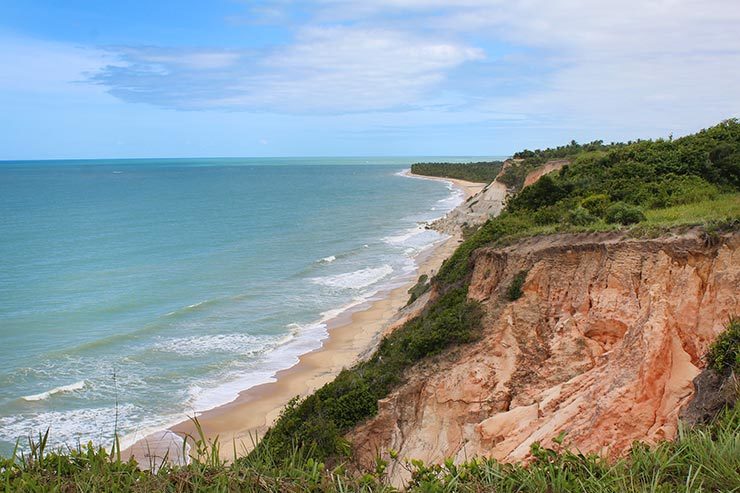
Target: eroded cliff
(602,345)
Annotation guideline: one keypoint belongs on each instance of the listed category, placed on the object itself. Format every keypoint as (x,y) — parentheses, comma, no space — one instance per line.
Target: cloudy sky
(96,78)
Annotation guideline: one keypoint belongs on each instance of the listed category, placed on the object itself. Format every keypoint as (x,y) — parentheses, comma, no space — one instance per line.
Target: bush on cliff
(418,289)
(621,213)
(596,204)
(724,354)
(580,216)
(514,291)
(646,173)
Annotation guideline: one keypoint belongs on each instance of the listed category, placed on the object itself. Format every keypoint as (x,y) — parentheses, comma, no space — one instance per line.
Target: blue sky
(87,79)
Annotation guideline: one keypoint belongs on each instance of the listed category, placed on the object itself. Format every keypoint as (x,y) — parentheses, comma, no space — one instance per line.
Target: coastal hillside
(584,308)
(590,310)
(599,344)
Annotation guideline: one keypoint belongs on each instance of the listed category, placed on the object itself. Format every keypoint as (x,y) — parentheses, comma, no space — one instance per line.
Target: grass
(722,213)
(701,459)
(723,208)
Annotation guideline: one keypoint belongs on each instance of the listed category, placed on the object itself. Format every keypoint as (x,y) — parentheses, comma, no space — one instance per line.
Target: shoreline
(351,336)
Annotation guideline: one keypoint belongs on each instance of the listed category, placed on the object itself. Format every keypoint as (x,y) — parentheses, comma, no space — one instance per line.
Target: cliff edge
(602,345)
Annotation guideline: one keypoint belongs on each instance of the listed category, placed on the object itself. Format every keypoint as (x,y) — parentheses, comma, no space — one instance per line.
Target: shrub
(724,354)
(482,172)
(580,216)
(724,163)
(596,204)
(621,213)
(547,215)
(680,190)
(421,287)
(514,291)
(457,267)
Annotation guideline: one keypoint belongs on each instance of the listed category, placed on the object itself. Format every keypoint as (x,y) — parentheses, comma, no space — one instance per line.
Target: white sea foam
(456,198)
(356,280)
(68,428)
(413,240)
(328,260)
(56,390)
(449,203)
(223,343)
(302,339)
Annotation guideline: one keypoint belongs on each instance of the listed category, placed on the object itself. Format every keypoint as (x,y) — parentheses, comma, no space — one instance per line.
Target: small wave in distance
(56,390)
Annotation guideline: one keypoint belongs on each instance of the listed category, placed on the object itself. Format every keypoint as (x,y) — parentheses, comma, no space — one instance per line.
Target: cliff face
(476,210)
(603,345)
(547,168)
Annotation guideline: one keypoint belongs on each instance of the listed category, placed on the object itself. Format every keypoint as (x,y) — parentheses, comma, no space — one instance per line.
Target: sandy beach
(352,335)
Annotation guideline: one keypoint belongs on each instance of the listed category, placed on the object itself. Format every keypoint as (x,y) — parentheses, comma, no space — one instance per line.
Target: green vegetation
(646,187)
(514,291)
(724,355)
(421,287)
(605,188)
(701,459)
(649,174)
(724,208)
(596,204)
(621,213)
(318,422)
(482,172)
(651,185)
(527,161)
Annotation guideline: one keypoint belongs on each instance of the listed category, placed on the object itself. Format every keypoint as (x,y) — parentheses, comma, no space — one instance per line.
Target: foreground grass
(702,459)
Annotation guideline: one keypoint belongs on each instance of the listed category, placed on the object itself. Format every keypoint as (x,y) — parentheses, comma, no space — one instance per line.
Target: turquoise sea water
(136,292)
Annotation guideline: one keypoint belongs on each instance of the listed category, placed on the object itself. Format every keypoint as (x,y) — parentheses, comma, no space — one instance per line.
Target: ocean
(134,293)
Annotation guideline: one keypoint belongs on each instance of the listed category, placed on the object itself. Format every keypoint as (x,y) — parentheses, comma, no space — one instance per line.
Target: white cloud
(650,64)
(342,69)
(336,69)
(198,60)
(628,62)
(635,63)
(31,65)
(655,64)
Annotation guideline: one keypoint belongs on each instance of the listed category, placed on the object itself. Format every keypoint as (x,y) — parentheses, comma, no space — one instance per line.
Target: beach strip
(351,335)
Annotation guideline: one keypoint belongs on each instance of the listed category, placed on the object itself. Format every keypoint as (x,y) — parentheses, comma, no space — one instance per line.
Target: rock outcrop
(490,201)
(713,393)
(547,168)
(603,346)
(487,203)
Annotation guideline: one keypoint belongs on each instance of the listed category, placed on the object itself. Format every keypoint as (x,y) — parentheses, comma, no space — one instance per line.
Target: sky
(108,79)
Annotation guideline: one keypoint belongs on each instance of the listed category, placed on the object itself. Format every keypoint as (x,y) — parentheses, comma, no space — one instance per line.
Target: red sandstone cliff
(603,345)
